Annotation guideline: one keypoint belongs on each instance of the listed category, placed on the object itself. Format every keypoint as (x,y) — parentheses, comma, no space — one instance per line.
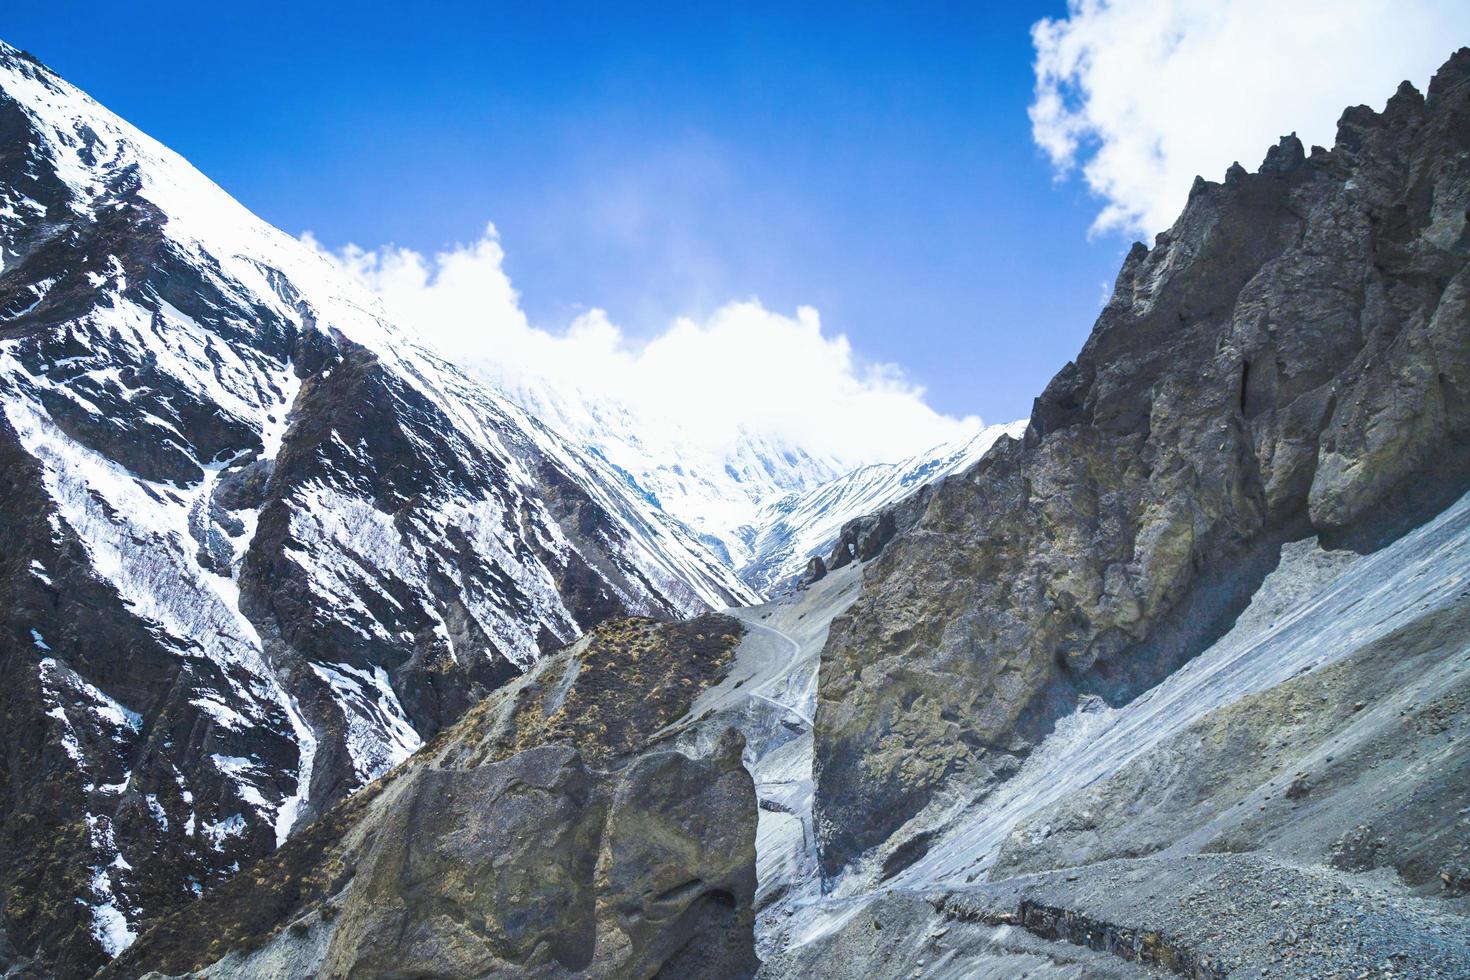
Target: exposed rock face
(816,570)
(862,538)
(1290,802)
(1293,356)
(551,833)
(257,544)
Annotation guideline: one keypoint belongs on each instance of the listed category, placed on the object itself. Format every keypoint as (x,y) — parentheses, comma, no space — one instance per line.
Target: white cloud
(744,370)
(1142,95)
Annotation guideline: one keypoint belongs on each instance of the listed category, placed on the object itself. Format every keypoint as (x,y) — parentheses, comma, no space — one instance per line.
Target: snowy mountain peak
(250,517)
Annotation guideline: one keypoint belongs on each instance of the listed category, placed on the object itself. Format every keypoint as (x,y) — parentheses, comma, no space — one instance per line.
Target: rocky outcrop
(792,528)
(1293,356)
(816,570)
(862,538)
(553,832)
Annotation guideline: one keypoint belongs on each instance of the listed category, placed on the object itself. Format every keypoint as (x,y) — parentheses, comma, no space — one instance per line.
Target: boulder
(816,570)
(537,867)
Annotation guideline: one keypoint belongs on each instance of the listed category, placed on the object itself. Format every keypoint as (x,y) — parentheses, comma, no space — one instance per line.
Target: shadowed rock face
(1293,356)
(533,838)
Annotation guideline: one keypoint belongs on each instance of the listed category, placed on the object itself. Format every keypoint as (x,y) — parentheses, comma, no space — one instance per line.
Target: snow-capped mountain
(257,544)
(719,494)
(763,505)
(799,525)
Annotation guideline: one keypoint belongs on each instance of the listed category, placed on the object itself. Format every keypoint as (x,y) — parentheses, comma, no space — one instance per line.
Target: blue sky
(874,161)
(876,164)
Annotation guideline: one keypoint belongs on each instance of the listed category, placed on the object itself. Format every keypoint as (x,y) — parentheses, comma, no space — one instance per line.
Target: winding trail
(787,707)
(781,670)
(780,673)
(766,658)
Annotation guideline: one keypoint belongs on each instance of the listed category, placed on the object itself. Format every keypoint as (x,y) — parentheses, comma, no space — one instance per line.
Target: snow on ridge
(799,525)
(347,546)
(205,221)
(109,711)
(370,708)
(166,545)
(701,519)
(112,510)
(110,925)
(202,217)
(688,574)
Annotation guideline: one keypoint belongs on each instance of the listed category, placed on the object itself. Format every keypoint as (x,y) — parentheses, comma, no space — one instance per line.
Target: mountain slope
(1291,358)
(258,545)
(799,525)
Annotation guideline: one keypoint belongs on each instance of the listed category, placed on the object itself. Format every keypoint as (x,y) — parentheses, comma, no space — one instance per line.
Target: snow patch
(379,735)
(220,831)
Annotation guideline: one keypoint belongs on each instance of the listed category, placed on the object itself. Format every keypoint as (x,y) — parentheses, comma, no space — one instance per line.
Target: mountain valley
(325,656)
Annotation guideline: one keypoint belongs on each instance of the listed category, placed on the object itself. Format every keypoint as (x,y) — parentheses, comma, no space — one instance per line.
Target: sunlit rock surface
(555,831)
(1291,358)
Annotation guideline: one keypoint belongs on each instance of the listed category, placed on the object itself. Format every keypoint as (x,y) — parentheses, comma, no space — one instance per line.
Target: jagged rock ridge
(1292,357)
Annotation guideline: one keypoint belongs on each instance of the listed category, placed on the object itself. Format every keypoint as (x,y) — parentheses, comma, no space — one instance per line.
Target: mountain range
(324,656)
(261,544)
(1176,683)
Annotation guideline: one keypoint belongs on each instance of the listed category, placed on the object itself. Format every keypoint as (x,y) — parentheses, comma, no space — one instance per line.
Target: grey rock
(1455,878)
(863,538)
(1231,782)
(1292,356)
(475,870)
(816,570)
(676,876)
(553,832)
(1357,849)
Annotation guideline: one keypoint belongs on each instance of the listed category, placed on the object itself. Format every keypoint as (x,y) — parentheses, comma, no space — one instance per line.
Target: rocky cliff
(1291,358)
(554,831)
(1289,803)
(794,527)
